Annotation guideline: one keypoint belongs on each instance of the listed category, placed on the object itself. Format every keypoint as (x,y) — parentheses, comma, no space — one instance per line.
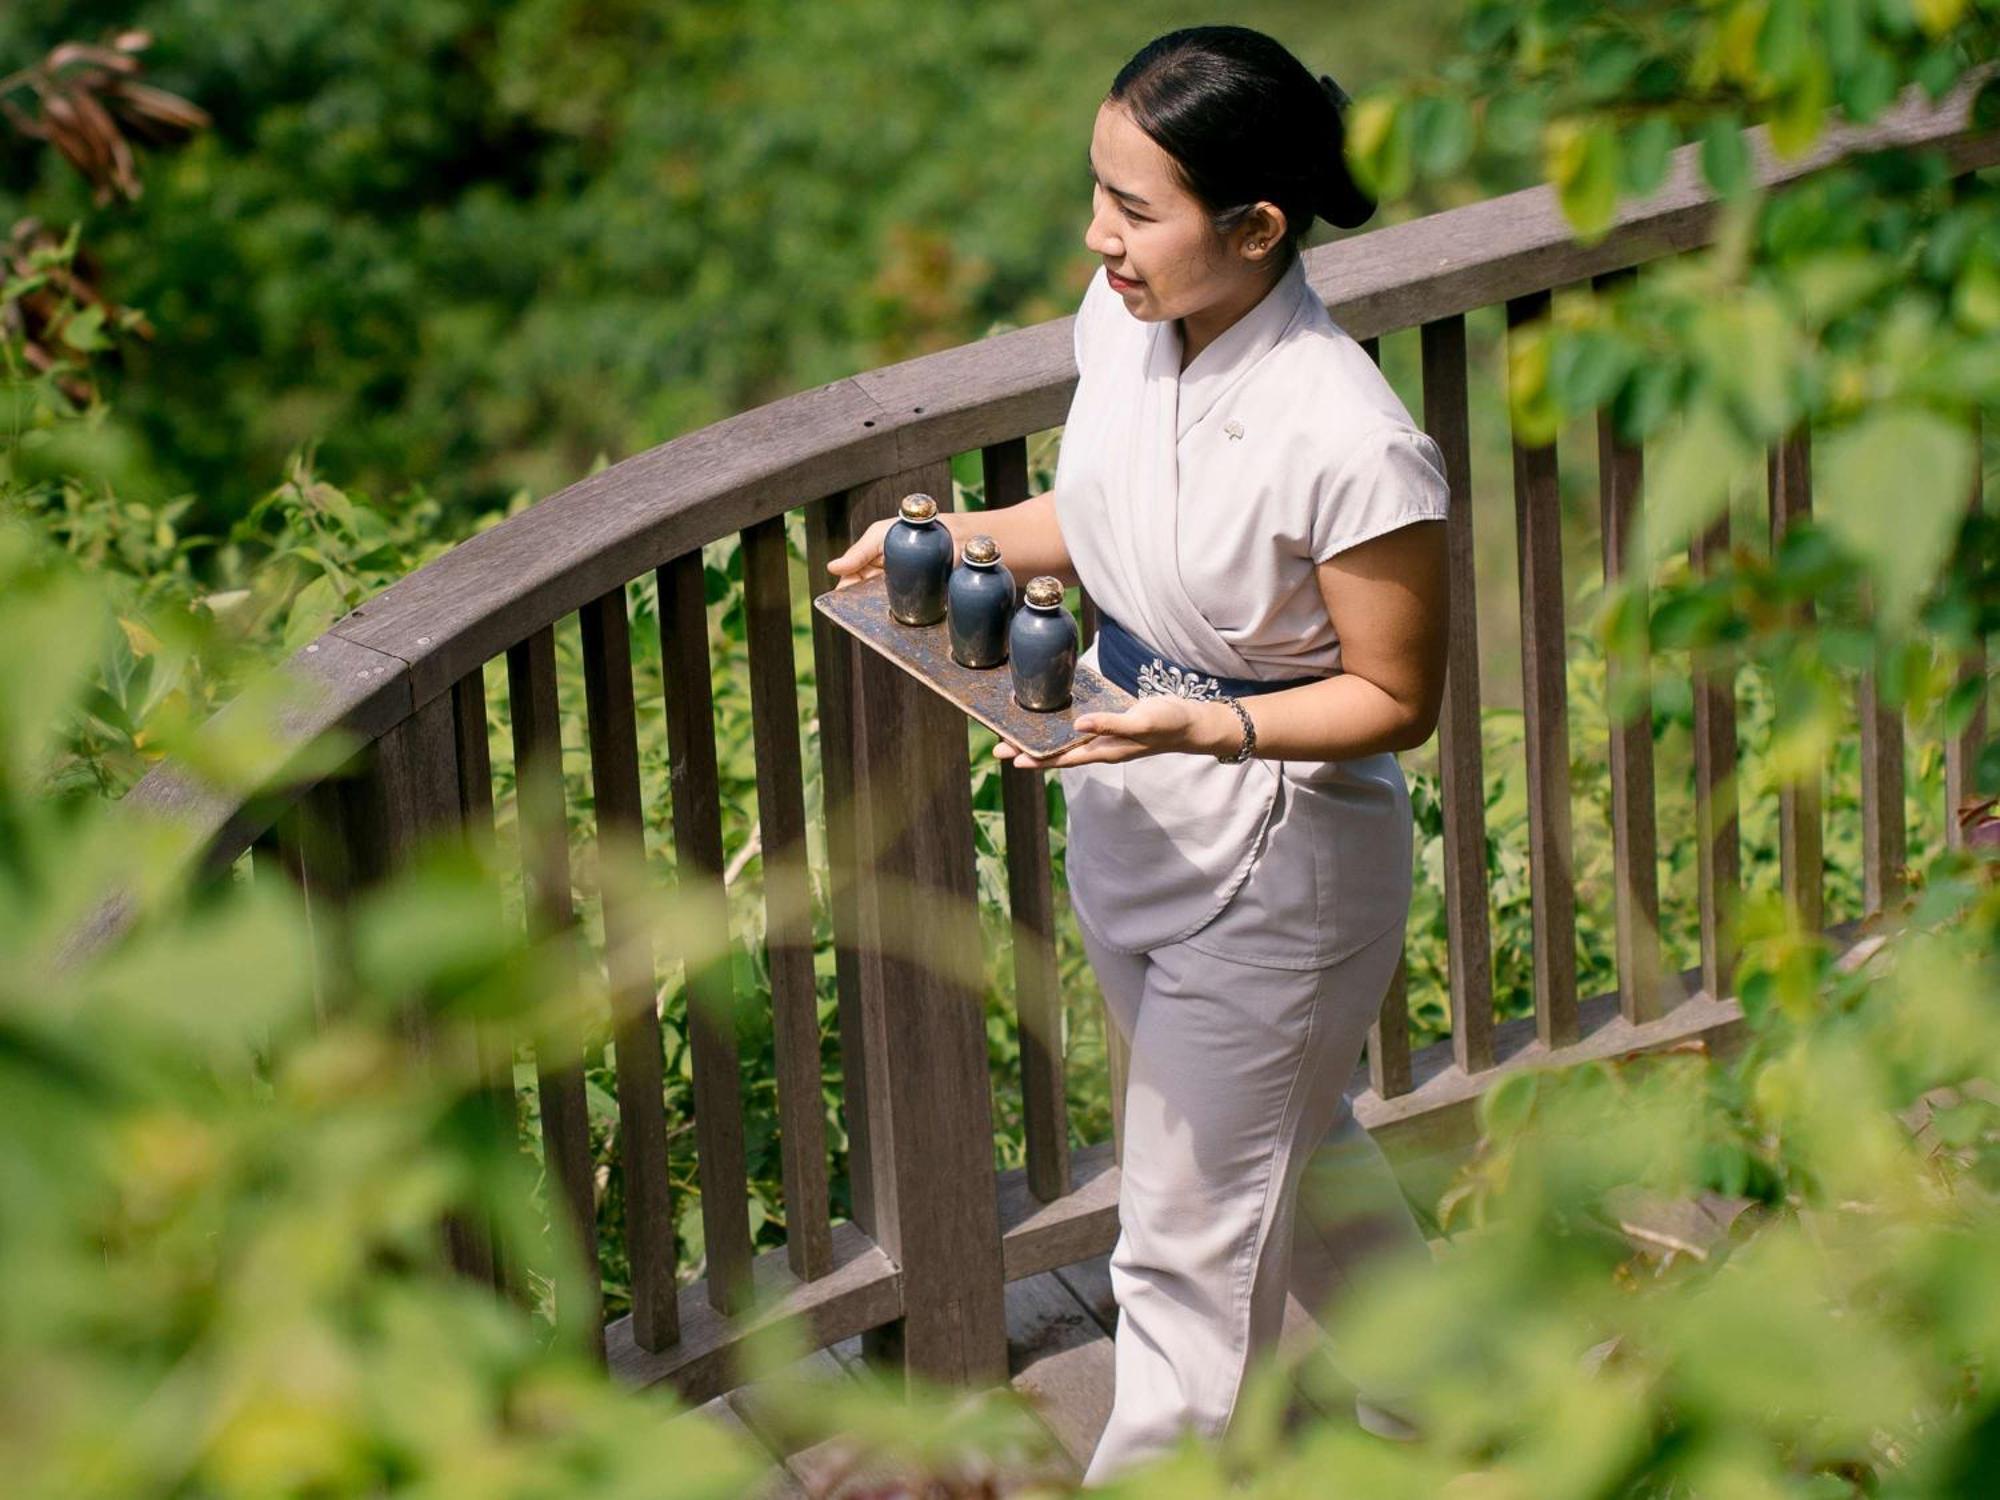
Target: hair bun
(1341,201)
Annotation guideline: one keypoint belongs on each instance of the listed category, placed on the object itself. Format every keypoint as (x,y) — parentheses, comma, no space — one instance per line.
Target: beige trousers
(1244,1176)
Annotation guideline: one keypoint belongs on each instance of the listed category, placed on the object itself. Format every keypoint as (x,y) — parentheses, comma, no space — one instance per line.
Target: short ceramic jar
(979,603)
(1041,645)
(916,562)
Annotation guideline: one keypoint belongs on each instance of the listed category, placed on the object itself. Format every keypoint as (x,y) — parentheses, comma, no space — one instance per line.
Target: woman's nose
(1099,239)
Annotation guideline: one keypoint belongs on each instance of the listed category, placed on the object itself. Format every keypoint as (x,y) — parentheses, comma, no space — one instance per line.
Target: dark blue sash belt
(1136,667)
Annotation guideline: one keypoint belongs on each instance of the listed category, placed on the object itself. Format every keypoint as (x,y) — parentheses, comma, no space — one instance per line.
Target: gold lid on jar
(916,508)
(1044,592)
(981,549)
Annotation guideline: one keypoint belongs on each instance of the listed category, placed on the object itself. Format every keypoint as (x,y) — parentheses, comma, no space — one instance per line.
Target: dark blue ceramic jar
(916,562)
(1041,644)
(980,601)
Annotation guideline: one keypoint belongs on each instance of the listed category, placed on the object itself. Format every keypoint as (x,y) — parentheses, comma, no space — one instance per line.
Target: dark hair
(1244,122)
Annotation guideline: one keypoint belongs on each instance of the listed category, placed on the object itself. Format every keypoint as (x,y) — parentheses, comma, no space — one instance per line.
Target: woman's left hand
(1155,725)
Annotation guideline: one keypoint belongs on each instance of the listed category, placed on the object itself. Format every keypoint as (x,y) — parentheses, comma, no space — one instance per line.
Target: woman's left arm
(1387,600)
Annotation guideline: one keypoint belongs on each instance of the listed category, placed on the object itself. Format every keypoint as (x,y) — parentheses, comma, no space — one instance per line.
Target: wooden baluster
(531,693)
(635,1016)
(1884,835)
(788,923)
(1799,834)
(935,1208)
(407,795)
(1634,836)
(279,855)
(1961,750)
(1718,852)
(1461,774)
(495,1050)
(828,534)
(1389,1038)
(711,993)
(1545,699)
(1038,1008)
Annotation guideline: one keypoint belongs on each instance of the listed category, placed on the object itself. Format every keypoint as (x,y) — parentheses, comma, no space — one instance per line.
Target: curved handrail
(376,666)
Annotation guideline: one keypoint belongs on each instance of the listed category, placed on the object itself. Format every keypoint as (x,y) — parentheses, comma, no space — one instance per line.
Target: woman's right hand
(863,560)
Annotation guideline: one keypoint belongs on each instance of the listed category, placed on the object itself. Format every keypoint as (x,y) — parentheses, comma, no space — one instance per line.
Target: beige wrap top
(1195,505)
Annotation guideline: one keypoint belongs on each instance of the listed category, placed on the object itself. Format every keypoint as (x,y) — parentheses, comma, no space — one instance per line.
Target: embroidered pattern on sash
(1156,678)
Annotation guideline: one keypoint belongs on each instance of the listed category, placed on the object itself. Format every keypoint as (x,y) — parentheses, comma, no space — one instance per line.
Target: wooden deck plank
(1090,1282)
(1059,1357)
(863,1290)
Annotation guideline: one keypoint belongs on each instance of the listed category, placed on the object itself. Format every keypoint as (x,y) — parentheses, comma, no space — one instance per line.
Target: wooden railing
(935,1230)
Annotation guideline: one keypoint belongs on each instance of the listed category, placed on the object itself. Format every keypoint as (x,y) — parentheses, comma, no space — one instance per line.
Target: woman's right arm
(1030,542)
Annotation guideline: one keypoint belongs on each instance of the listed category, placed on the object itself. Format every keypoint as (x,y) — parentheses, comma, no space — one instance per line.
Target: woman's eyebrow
(1114,192)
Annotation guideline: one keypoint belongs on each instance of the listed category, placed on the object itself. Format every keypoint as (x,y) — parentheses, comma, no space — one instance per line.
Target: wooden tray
(987,694)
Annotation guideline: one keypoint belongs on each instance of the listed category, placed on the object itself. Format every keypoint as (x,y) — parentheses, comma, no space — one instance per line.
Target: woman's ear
(1260,233)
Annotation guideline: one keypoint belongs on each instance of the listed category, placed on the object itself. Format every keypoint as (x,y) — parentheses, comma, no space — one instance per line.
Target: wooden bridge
(961,1271)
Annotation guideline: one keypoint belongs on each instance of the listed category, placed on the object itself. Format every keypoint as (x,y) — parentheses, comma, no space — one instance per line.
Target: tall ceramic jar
(1041,645)
(916,562)
(978,603)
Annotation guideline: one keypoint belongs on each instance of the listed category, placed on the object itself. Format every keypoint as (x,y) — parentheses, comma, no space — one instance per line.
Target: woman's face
(1165,258)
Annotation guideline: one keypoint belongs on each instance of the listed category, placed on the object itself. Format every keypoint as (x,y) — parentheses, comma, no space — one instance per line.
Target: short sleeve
(1393,477)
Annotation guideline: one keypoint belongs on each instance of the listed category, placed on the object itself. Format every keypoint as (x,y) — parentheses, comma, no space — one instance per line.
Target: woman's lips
(1119,283)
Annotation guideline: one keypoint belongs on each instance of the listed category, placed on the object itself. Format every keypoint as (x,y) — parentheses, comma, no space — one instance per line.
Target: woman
(1256,517)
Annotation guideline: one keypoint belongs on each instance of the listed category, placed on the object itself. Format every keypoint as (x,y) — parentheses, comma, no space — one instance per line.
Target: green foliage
(433,238)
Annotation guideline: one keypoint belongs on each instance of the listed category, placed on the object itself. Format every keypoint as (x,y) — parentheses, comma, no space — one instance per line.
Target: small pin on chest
(1233,428)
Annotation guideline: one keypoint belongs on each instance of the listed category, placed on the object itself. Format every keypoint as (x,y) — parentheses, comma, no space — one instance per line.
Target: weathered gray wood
(621,845)
(496,587)
(531,694)
(1718,852)
(931,1128)
(1389,1037)
(1038,1007)
(1468,920)
(1090,1282)
(863,1289)
(1038,1236)
(711,1009)
(1545,702)
(788,914)
(1634,837)
(494,1047)
(985,693)
(1438,1115)
(1884,831)
(1800,837)
(828,534)
(1060,1360)
(1961,750)
(338,689)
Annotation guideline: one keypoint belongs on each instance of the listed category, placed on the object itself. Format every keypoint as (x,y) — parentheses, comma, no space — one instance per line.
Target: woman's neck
(1200,329)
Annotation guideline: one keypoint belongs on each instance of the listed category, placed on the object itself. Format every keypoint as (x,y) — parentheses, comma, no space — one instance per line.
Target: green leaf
(1801,111)
(1894,486)
(1725,159)
(1378,146)
(1687,483)
(84,331)
(1441,134)
(1647,148)
(1581,159)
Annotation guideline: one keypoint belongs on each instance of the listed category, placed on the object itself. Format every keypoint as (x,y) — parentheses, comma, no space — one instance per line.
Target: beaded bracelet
(1249,746)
